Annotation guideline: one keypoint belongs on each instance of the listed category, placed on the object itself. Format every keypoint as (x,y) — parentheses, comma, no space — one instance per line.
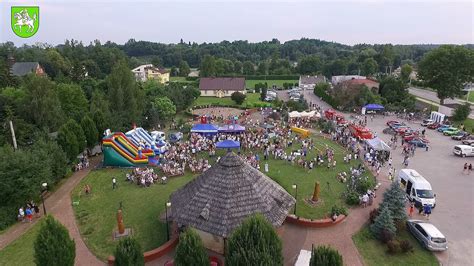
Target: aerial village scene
(191,133)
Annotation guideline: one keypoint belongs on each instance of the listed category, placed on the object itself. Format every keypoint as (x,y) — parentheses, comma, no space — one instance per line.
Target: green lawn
(251,100)
(180,79)
(96,213)
(375,253)
(250,84)
(21,251)
(468,124)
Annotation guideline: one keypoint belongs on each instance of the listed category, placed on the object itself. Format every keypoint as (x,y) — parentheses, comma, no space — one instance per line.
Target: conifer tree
(53,245)
(383,222)
(129,252)
(190,250)
(394,199)
(325,256)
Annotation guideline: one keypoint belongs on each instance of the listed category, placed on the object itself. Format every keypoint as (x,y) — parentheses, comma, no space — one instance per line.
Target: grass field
(21,251)
(375,253)
(250,84)
(142,207)
(181,79)
(468,124)
(251,100)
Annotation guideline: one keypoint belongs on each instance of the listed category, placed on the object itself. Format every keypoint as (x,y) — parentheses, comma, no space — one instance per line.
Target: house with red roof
(221,87)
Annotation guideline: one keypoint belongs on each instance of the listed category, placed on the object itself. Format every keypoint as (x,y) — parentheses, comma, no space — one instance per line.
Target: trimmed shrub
(190,250)
(254,242)
(406,246)
(53,245)
(129,252)
(325,256)
(352,197)
(238,97)
(338,210)
(393,247)
(373,214)
(385,236)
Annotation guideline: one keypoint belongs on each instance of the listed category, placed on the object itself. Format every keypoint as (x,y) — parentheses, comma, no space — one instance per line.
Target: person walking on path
(114,183)
(469,168)
(465,168)
(427,211)
(411,209)
(29,214)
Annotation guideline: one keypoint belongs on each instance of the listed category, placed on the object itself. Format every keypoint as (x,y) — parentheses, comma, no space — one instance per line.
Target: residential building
(338,79)
(309,82)
(146,72)
(221,87)
(371,84)
(20,69)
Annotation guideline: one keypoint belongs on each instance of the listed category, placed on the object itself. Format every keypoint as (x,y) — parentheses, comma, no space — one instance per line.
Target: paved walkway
(59,205)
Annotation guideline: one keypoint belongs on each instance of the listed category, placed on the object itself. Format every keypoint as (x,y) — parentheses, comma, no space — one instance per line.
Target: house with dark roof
(220,199)
(309,82)
(371,84)
(20,69)
(221,87)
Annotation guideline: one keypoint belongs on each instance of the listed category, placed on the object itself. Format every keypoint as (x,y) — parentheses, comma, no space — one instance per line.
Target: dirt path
(59,205)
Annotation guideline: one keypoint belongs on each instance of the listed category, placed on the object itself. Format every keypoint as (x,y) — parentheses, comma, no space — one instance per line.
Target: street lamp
(295,187)
(44,188)
(167,205)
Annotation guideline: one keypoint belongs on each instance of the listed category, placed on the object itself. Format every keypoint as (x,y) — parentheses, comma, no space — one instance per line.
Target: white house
(146,72)
(338,79)
(309,82)
(221,87)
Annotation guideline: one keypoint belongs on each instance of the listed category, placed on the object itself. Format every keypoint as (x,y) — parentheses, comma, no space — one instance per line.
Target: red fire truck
(331,114)
(360,132)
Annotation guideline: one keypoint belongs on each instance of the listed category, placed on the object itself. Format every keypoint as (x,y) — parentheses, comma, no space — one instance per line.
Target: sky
(344,21)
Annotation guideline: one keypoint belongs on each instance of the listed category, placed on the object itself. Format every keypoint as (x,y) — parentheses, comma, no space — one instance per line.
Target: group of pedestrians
(26,213)
(467,168)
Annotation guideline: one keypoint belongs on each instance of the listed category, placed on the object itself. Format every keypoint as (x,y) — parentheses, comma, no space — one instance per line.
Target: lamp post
(167,205)
(44,188)
(295,187)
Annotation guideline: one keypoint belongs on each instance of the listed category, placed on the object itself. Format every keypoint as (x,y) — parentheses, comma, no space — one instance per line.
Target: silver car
(428,235)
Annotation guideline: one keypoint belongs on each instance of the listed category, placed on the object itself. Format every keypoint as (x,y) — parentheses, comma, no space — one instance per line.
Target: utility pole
(13,136)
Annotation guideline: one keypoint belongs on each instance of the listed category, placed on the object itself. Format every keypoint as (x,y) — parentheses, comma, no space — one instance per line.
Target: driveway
(431,95)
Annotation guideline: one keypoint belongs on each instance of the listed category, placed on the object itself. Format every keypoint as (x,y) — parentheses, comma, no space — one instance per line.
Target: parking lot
(453,215)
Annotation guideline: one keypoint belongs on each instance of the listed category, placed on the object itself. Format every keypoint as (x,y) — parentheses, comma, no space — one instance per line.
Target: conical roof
(218,200)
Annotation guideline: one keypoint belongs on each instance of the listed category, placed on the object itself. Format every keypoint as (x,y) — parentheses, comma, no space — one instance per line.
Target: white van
(463,150)
(416,187)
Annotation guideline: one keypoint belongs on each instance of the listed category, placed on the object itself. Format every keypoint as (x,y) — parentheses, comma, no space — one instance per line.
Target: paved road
(431,95)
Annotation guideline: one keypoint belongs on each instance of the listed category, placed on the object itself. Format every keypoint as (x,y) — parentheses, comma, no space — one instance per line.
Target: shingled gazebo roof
(218,200)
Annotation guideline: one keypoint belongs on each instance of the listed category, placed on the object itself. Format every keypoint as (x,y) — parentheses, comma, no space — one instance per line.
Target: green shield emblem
(25,20)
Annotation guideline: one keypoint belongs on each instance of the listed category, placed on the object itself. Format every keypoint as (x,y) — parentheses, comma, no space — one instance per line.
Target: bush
(238,97)
(190,250)
(254,242)
(393,247)
(364,184)
(400,225)
(373,214)
(385,236)
(325,256)
(461,112)
(352,197)
(129,252)
(406,246)
(338,210)
(53,245)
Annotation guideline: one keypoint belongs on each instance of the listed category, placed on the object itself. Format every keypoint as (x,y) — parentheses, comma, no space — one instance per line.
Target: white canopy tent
(378,144)
(296,114)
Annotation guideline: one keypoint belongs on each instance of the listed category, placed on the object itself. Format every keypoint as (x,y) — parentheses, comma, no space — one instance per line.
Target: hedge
(255,77)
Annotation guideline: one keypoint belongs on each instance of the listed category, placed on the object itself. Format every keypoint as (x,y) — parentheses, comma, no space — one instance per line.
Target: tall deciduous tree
(44,107)
(73,101)
(310,65)
(53,245)
(446,69)
(238,97)
(90,131)
(405,72)
(255,242)
(369,66)
(190,250)
(163,108)
(184,69)
(71,138)
(248,68)
(123,92)
(208,66)
(129,252)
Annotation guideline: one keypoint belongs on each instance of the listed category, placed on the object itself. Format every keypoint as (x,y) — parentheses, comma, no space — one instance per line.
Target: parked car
(451,131)
(419,142)
(402,129)
(428,235)
(410,136)
(427,122)
(461,135)
(391,122)
(442,128)
(463,150)
(468,141)
(433,126)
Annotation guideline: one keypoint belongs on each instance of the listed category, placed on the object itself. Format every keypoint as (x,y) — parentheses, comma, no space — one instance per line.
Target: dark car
(468,141)
(461,135)
(419,142)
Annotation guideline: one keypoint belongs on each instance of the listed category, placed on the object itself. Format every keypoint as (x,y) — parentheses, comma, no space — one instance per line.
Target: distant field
(180,79)
(279,83)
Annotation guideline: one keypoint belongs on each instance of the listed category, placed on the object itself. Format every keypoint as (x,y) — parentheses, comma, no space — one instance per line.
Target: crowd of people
(143,177)
(26,213)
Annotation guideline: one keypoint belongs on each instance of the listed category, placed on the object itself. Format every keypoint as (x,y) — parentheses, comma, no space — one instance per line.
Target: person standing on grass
(266,167)
(114,183)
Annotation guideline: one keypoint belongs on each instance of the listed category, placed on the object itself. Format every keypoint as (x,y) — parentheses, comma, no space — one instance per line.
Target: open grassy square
(251,100)
(250,84)
(375,253)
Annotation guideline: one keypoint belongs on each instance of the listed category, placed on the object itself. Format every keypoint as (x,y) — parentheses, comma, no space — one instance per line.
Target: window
(421,230)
